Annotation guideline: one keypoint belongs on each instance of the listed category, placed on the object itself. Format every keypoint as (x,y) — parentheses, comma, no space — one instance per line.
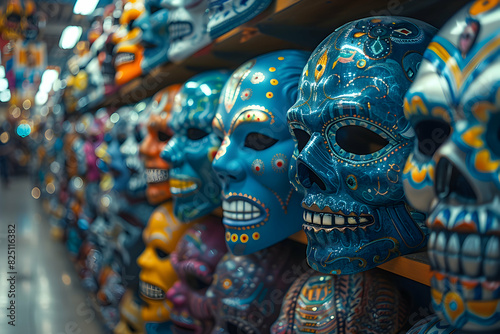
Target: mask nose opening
(451,183)
(307,177)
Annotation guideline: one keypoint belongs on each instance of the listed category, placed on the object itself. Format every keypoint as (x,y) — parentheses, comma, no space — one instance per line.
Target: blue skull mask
(190,152)
(453,172)
(353,140)
(153,24)
(260,206)
(226,15)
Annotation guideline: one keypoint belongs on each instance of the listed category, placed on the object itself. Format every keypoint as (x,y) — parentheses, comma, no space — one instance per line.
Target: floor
(48,295)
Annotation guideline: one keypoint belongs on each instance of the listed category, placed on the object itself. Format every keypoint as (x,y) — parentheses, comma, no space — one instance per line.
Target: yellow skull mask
(157,274)
(130,316)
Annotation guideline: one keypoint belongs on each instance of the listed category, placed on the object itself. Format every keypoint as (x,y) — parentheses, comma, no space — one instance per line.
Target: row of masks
(385,135)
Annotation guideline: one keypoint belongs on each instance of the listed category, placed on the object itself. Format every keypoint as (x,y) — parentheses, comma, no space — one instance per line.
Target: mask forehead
(364,64)
(195,104)
(257,91)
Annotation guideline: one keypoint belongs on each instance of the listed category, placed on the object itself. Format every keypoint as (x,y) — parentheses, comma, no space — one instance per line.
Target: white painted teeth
(471,250)
(151,291)
(339,220)
(493,248)
(179,30)
(123,58)
(240,210)
(156,175)
(327,220)
(453,249)
(460,254)
(330,219)
(491,265)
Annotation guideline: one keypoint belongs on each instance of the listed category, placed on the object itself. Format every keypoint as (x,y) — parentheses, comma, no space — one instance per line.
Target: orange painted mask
(157,169)
(12,20)
(129,51)
(157,274)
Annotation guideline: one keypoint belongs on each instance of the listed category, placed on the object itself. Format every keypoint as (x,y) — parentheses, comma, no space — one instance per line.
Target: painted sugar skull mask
(129,52)
(260,206)
(353,140)
(194,260)
(159,133)
(454,105)
(331,304)
(157,274)
(226,15)
(247,291)
(191,150)
(187,27)
(153,24)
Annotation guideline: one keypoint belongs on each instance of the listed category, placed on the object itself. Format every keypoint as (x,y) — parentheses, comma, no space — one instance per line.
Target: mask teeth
(151,291)
(468,255)
(123,58)
(179,30)
(179,186)
(240,210)
(331,220)
(156,175)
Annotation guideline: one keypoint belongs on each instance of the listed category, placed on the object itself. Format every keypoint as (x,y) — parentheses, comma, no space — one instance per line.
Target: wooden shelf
(413,266)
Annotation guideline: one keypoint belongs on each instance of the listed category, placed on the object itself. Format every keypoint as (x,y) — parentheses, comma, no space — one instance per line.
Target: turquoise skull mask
(190,152)
(260,205)
(353,140)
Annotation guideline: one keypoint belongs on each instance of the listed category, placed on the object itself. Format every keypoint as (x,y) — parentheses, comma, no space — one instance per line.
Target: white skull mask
(187,27)
(453,172)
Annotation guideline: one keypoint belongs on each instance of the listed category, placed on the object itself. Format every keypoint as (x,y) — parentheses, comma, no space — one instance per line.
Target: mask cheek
(418,181)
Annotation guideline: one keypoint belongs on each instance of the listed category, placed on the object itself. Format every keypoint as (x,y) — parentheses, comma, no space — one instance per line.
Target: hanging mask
(352,142)
(247,291)
(157,170)
(226,15)
(331,304)
(194,260)
(153,24)
(157,274)
(116,160)
(129,51)
(190,152)
(453,170)
(96,26)
(130,315)
(187,27)
(30,20)
(260,205)
(12,20)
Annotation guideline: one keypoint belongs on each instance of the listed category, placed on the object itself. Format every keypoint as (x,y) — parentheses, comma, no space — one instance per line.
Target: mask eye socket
(258,141)
(162,136)
(431,134)
(195,283)
(161,254)
(196,134)
(359,140)
(302,138)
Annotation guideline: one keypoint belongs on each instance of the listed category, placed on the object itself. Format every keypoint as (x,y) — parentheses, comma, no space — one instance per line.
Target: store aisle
(48,295)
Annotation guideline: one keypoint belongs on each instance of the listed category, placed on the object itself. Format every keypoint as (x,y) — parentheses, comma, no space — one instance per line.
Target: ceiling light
(85,7)
(70,36)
